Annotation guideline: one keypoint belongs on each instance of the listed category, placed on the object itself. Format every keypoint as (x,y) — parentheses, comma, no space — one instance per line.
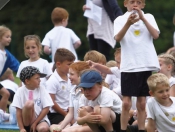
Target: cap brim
(42,75)
(86,85)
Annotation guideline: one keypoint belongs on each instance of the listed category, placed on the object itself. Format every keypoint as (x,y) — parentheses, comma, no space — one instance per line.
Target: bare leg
(141,115)
(125,112)
(28,113)
(42,127)
(77,128)
(4,100)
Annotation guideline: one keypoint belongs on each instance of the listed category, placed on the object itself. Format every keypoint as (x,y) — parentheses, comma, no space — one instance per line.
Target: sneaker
(12,118)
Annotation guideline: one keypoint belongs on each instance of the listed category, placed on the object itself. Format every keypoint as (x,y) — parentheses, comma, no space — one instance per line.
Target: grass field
(9,130)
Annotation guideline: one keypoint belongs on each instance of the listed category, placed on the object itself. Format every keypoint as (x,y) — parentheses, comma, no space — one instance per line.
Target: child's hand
(139,11)
(55,128)
(33,127)
(85,8)
(23,130)
(93,118)
(82,112)
(133,19)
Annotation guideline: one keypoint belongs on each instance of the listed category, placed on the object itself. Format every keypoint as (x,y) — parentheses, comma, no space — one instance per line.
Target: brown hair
(3,30)
(58,14)
(6,74)
(79,66)
(37,41)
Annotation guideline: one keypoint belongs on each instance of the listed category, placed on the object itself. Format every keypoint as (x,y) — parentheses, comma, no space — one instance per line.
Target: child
(74,76)
(160,107)
(135,31)
(33,50)
(7,80)
(59,85)
(167,67)
(32,102)
(60,36)
(7,61)
(106,104)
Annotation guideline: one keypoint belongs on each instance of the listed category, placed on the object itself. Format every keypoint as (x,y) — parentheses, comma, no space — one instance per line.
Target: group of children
(90,96)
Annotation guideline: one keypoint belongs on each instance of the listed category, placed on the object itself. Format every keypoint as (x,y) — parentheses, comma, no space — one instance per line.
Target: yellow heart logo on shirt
(137,32)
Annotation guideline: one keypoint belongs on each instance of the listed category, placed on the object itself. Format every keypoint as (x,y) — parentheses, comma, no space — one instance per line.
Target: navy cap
(89,78)
(28,72)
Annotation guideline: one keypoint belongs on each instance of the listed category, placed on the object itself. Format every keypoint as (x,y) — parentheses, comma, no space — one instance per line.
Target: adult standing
(101,36)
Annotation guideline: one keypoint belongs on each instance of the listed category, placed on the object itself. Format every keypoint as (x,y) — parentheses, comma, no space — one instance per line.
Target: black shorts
(135,83)
(55,118)
(116,124)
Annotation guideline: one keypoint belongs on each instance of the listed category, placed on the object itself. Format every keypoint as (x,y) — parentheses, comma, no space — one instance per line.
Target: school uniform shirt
(172,81)
(108,98)
(164,117)
(74,101)
(61,88)
(8,84)
(137,49)
(61,37)
(40,97)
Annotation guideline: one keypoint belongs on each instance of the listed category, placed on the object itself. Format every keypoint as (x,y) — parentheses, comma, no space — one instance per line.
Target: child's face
(118,59)
(6,39)
(131,4)
(63,67)
(33,82)
(164,68)
(93,92)
(74,77)
(161,94)
(32,50)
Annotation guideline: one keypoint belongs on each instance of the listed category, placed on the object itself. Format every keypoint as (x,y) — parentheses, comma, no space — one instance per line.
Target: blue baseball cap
(89,78)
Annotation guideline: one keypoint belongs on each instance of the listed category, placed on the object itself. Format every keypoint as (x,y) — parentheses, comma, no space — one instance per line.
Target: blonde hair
(37,41)
(58,14)
(156,80)
(141,0)
(3,30)
(168,59)
(6,74)
(111,63)
(95,56)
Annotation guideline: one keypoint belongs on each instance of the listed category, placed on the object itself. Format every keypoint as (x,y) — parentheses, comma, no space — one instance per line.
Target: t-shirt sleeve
(46,41)
(74,37)
(149,109)
(116,71)
(47,69)
(106,100)
(17,101)
(51,86)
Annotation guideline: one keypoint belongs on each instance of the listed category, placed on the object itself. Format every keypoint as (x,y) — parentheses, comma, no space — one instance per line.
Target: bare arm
(154,33)
(47,50)
(77,44)
(69,117)
(19,118)
(151,126)
(56,107)
(99,67)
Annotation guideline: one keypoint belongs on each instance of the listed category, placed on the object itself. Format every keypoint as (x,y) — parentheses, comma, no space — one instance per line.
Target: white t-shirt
(172,81)
(8,84)
(61,88)
(40,97)
(161,115)
(61,37)
(137,49)
(3,59)
(41,64)
(74,101)
(108,98)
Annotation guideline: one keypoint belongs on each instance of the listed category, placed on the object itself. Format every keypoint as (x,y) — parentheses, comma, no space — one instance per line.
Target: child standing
(106,104)
(167,67)
(60,36)
(160,107)
(135,31)
(33,50)
(7,60)
(59,85)
(32,102)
